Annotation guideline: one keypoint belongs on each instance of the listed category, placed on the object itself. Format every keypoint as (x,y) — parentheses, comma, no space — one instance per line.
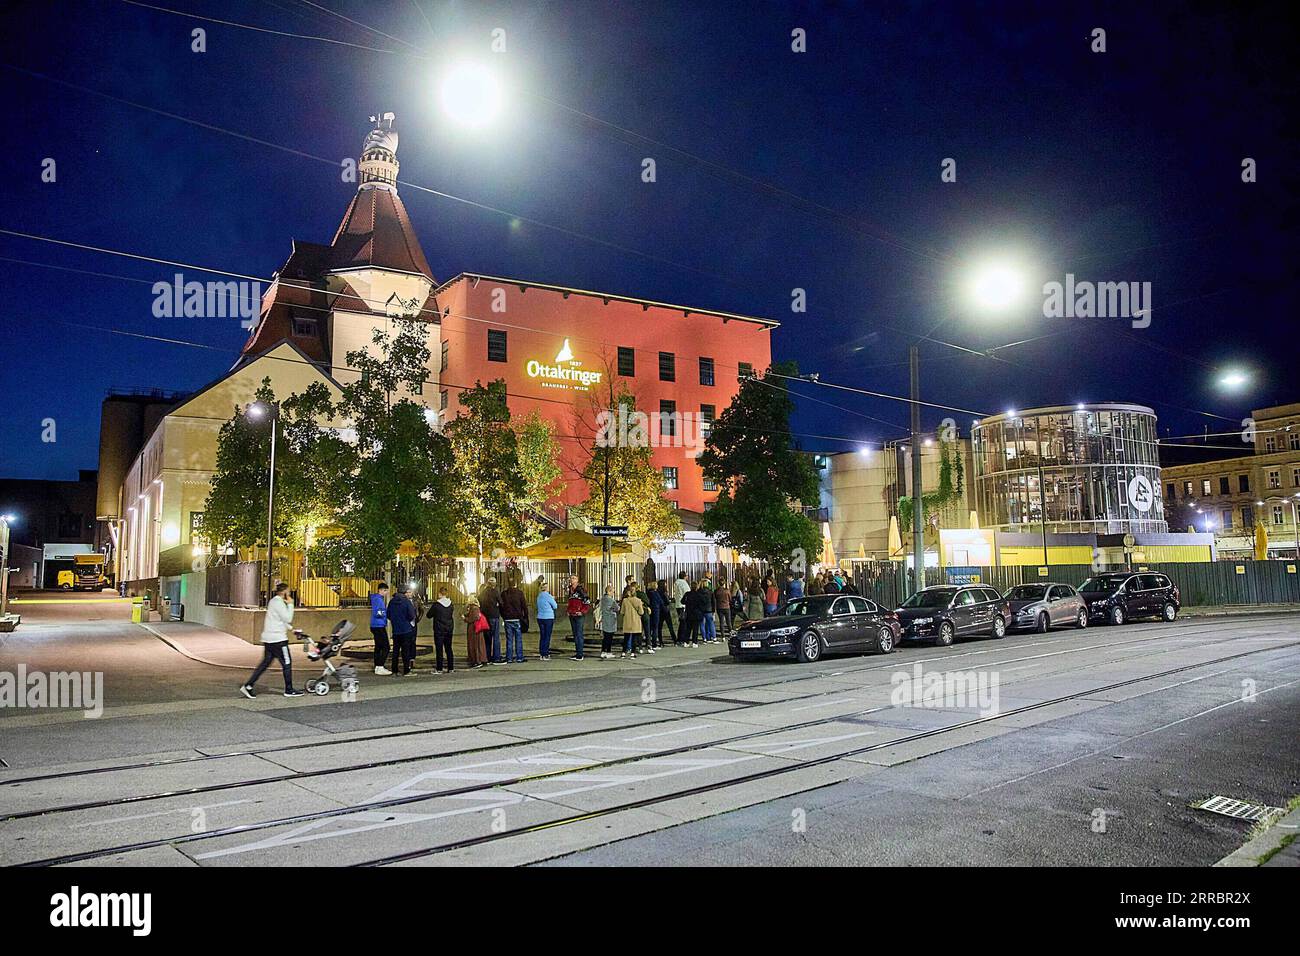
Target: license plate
(751,643)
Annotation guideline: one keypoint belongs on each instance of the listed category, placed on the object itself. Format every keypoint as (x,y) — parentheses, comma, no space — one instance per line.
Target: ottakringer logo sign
(567,373)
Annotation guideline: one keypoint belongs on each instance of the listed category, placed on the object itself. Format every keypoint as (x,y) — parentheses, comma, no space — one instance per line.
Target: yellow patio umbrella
(828,546)
(1261,541)
(329,531)
(572,544)
(408,549)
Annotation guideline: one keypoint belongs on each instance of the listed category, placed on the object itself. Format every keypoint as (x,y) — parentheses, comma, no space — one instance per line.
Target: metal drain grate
(1238,809)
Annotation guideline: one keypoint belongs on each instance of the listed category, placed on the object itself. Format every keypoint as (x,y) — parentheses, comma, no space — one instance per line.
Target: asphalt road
(1082,747)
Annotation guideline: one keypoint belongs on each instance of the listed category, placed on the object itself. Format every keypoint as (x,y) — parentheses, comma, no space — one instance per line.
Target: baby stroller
(322,649)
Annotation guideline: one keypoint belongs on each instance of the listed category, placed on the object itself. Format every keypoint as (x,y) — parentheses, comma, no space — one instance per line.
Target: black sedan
(947,612)
(806,628)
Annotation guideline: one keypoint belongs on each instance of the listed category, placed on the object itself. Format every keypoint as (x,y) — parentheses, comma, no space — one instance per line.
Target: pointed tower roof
(376,231)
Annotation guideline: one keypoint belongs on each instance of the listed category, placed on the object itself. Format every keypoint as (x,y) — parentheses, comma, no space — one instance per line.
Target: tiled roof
(377,232)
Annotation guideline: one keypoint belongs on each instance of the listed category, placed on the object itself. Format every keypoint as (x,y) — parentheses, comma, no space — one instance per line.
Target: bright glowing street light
(471,94)
(1233,379)
(996,286)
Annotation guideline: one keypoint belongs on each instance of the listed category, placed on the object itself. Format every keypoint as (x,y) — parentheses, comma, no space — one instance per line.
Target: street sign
(609,530)
(1042,572)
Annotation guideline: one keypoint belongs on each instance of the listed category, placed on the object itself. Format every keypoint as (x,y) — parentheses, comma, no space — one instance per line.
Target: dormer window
(304,326)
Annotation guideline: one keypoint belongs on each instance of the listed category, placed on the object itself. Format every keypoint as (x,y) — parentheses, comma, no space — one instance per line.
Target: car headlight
(1029,610)
(783,631)
(923,620)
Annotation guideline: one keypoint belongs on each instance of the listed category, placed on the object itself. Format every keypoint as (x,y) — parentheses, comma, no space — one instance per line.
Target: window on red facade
(626,362)
(667,367)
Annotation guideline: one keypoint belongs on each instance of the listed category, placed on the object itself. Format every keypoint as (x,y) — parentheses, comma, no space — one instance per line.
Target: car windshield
(931,597)
(1101,585)
(801,606)
(1027,592)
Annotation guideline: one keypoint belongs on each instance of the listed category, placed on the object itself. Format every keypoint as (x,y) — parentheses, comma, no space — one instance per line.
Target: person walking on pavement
(379,627)
(475,625)
(514,614)
(402,616)
(444,626)
(275,642)
(577,605)
(546,608)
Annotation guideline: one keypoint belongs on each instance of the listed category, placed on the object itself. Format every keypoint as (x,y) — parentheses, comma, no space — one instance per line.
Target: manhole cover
(1238,809)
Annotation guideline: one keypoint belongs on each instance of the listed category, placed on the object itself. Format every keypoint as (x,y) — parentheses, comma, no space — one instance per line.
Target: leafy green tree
(623,485)
(762,478)
(951,487)
(490,486)
(539,465)
(235,511)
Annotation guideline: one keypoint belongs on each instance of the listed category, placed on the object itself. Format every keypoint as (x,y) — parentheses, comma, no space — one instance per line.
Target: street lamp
(1233,379)
(471,94)
(5,521)
(1295,524)
(270,411)
(992,286)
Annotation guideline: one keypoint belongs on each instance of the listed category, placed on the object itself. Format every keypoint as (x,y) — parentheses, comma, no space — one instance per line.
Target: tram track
(409,799)
(710,695)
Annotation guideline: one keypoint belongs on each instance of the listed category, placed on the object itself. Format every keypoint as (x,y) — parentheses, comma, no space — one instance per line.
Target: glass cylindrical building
(1086,468)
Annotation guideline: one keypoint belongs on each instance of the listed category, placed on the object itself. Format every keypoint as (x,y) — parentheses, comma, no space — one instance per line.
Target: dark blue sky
(1120,166)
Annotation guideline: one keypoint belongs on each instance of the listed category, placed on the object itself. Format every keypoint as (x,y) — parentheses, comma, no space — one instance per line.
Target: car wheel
(1082,619)
(1117,615)
(1044,623)
(810,647)
(1170,612)
(885,641)
(999,626)
(946,634)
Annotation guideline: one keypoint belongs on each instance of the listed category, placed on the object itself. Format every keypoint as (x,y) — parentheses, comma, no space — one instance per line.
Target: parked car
(1040,607)
(947,612)
(808,627)
(1119,596)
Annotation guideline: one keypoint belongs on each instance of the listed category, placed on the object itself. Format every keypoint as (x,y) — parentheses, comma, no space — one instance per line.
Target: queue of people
(631,618)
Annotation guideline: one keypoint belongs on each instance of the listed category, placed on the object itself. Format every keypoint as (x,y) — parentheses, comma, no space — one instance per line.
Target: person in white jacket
(275,642)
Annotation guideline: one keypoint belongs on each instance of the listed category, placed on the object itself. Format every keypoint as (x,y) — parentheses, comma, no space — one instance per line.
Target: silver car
(1040,607)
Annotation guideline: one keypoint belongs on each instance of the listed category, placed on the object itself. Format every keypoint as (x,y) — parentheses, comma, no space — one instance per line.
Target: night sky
(818,171)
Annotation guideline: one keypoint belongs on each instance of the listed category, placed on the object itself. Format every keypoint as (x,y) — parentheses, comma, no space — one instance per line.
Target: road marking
(160,813)
(667,733)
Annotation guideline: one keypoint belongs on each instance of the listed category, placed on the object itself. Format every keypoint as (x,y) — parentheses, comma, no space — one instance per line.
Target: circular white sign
(1140,494)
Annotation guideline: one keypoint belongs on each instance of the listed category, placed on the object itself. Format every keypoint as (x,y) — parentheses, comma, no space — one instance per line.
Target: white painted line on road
(824,703)
(668,733)
(161,813)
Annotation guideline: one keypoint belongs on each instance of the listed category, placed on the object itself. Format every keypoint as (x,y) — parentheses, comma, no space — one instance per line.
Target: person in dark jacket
(402,618)
(694,603)
(489,605)
(514,614)
(665,613)
(379,627)
(444,626)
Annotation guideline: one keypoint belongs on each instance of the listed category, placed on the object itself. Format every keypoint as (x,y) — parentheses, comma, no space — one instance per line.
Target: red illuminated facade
(673,359)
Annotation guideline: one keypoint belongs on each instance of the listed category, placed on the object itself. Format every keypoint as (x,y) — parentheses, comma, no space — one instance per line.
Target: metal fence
(1199,582)
(235,585)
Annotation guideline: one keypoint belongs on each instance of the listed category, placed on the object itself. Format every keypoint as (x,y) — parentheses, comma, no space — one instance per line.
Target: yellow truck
(87,574)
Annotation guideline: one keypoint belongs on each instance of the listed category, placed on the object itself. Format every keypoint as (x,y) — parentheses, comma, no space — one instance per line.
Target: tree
(235,512)
(951,487)
(623,485)
(490,487)
(539,465)
(398,474)
(761,476)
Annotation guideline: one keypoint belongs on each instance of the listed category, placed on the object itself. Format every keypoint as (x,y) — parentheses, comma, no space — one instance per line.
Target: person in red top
(770,597)
(578,604)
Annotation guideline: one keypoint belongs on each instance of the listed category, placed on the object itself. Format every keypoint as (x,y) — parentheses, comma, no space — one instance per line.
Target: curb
(1248,854)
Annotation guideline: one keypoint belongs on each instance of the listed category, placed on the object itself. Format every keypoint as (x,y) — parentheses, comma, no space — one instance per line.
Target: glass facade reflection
(1089,468)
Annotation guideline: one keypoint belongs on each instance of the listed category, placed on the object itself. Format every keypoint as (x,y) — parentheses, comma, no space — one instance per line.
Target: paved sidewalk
(1267,845)
(1234,610)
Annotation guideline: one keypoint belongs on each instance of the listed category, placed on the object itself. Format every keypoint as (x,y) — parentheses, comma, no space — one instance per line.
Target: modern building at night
(1091,469)
(551,344)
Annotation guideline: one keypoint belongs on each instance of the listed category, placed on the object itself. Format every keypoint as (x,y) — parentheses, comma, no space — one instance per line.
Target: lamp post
(1295,513)
(5,521)
(271,411)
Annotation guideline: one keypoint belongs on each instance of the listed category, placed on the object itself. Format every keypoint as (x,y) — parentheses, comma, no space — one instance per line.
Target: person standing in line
(607,621)
(379,627)
(475,625)
(631,610)
(796,585)
(577,605)
(646,639)
(514,614)
(444,626)
(546,608)
(815,584)
(489,602)
(656,634)
(275,642)
(722,607)
(754,601)
(401,615)
(771,598)
(681,587)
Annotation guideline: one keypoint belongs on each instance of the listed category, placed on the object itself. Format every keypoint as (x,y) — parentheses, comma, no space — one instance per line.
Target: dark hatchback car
(947,612)
(1120,596)
(808,627)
